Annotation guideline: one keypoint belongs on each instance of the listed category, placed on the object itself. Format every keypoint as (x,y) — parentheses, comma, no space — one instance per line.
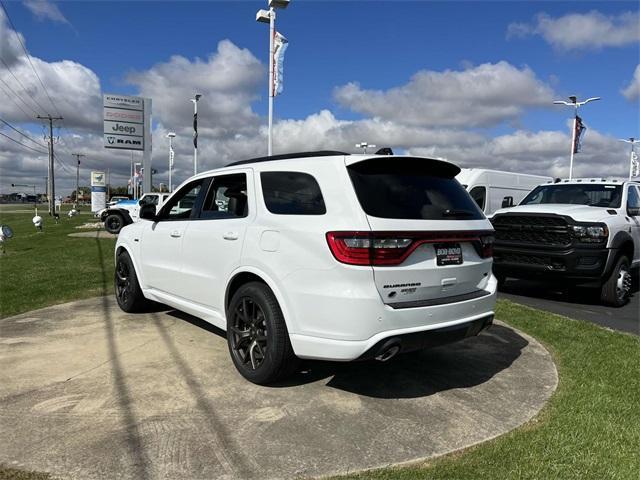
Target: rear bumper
(583,265)
(415,327)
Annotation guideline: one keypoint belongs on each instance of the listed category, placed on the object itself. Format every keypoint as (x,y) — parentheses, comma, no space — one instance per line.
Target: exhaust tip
(387,353)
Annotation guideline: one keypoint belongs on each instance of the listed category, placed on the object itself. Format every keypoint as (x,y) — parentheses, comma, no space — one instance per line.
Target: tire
(616,290)
(114,223)
(127,288)
(257,335)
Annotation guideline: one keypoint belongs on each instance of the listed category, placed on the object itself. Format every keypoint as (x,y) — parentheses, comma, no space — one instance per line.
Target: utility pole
(77,155)
(52,186)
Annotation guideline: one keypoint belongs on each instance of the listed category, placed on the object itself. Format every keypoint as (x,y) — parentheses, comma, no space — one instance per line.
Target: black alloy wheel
(114,223)
(249,334)
(128,292)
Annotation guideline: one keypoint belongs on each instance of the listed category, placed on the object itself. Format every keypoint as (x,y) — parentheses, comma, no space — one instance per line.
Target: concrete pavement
(89,392)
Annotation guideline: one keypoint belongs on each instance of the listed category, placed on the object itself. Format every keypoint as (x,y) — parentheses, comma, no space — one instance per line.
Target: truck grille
(531,230)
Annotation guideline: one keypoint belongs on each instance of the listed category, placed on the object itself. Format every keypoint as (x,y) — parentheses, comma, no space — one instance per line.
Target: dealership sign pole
(127,126)
(634,166)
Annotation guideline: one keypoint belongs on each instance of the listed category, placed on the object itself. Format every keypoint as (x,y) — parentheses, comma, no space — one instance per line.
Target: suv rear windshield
(594,195)
(411,188)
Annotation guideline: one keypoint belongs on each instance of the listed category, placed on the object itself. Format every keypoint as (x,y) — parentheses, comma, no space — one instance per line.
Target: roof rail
(285,156)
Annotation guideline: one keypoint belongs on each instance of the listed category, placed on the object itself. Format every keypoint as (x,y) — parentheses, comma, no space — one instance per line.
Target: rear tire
(128,292)
(257,335)
(114,223)
(616,290)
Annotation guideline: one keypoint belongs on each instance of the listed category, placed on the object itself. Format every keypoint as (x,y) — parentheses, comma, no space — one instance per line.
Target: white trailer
(494,189)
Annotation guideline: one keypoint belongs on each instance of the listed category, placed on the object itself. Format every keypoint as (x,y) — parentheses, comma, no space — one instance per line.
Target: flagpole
(632,141)
(575,104)
(272,29)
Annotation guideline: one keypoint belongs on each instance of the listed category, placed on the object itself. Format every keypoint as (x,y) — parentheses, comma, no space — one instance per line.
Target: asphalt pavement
(576,302)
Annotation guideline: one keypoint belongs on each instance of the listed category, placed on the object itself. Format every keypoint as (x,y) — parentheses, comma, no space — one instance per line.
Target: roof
(286,156)
(608,181)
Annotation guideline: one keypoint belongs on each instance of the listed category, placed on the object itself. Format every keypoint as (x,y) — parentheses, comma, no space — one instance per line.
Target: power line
(22,133)
(29,58)
(14,101)
(20,143)
(32,98)
(19,98)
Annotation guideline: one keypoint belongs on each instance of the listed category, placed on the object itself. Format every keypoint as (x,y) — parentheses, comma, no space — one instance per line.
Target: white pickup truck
(575,232)
(126,212)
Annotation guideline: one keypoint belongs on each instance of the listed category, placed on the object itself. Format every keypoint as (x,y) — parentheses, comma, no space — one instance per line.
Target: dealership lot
(155,396)
(578,303)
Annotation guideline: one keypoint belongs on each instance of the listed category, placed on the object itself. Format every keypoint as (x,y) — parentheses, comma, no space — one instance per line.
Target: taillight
(392,248)
(486,246)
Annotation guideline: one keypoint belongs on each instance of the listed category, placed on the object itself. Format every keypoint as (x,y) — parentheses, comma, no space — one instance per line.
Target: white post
(573,142)
(170,161)
(272,31)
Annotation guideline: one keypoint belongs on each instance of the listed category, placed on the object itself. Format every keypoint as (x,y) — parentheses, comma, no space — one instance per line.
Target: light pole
(633,159)
(364,146)
(195,131)
(575,104)
(269,16)
(170,136)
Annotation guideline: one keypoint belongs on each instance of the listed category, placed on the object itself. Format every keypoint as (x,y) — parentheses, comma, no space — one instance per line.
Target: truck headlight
(591,233)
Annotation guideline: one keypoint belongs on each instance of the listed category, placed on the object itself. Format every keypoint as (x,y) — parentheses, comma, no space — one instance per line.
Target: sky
(472,82)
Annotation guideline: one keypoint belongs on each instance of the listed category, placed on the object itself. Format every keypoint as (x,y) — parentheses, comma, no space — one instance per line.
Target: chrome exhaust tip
(388,353)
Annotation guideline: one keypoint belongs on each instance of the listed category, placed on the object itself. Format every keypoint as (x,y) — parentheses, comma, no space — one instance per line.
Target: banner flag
(578,134)
(195,130)
(280,45)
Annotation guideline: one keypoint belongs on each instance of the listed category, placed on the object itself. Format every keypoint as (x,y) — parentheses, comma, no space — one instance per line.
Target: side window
(479,195)
(181,205)
(633,199)
(227,197)
(292,193)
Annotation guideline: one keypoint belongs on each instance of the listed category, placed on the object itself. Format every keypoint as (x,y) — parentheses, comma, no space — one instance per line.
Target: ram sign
(124,122)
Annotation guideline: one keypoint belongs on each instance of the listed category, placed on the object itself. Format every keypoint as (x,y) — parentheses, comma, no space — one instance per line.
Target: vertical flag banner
(195,130)
(635,165)
(578,134)
(280,45)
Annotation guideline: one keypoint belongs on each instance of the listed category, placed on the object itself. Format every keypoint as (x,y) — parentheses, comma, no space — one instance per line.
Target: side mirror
(633,211)
(148,212)
(507,202)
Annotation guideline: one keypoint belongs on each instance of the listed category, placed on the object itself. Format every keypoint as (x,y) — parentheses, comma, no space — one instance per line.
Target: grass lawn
(41,269)
(589,430)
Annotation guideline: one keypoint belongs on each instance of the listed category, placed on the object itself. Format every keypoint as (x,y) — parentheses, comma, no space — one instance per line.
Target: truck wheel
(113,223)
(128,292)
(615,291)
(257,335)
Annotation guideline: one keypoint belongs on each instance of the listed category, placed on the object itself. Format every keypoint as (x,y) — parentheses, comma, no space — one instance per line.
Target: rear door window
(411,188)
(227,197)
(292,193)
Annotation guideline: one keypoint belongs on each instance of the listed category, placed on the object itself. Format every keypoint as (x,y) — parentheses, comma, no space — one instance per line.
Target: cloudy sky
(472,82)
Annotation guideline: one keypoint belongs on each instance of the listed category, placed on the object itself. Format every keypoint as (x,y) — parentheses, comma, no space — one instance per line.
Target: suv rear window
(292,193)
(411,188)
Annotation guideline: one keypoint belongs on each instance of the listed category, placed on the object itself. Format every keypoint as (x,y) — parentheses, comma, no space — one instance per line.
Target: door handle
(230,236)
(176,234)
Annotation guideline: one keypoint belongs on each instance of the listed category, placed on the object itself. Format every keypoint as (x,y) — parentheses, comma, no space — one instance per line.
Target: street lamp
(170,136)
(195,131)
(364,146)
(269,16)
(575,104)
(634,166)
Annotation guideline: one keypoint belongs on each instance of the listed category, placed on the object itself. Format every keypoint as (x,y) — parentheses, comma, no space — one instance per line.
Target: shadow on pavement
(561,292)
(458,365)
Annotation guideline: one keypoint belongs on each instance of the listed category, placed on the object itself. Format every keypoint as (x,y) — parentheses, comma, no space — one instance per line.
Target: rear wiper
(457,213)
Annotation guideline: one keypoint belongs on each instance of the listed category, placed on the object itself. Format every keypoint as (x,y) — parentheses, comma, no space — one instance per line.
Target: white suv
(320,255)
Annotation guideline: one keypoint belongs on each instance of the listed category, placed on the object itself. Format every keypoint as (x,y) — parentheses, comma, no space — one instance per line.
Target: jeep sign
(122,128)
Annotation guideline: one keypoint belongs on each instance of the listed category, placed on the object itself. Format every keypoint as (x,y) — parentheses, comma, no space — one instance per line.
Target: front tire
(114,223)
(616,290)
(257,335)
(128,292)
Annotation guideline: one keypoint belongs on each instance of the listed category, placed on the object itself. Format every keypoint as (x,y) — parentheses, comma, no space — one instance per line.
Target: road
(579,303)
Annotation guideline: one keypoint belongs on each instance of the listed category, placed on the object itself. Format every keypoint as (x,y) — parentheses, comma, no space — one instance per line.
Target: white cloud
(581,31)
(45,10)
(632,91)
(480,96)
